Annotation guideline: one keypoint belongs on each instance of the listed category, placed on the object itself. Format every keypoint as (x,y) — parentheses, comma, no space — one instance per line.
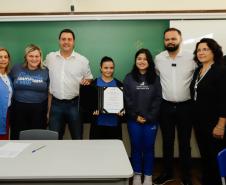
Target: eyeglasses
(203,50)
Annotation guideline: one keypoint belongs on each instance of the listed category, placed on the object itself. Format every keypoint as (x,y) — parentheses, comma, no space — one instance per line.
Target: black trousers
(176,115)
(24,116)
(209,148)
(105,132)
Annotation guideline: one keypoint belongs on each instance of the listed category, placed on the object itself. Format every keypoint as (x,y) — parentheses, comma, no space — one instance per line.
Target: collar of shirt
(179,54)
(73,54)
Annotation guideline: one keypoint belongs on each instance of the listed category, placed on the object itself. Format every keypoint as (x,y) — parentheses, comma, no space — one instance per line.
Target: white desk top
(68,159)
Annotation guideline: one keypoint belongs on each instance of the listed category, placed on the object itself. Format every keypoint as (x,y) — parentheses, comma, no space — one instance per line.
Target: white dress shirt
(66,74)
(175,75)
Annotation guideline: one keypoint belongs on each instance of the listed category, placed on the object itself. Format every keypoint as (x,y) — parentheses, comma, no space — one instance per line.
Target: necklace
(198,79)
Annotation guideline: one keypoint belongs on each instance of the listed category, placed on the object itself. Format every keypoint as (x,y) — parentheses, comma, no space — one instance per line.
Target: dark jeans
(24,116)
(62,112)
(176,115)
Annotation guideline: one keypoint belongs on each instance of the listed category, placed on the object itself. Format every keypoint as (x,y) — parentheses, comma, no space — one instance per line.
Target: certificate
(112,100)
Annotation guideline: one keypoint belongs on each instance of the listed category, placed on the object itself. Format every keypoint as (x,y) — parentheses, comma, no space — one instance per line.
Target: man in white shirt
(175,68)
(67,70)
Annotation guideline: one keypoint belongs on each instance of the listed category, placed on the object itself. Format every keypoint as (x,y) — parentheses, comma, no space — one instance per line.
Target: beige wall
(12,6)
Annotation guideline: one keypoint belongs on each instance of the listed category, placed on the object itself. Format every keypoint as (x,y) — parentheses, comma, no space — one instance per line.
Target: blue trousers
(142,138)
(62,112)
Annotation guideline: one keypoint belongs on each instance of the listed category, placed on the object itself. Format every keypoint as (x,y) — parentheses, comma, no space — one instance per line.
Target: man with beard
(175,68)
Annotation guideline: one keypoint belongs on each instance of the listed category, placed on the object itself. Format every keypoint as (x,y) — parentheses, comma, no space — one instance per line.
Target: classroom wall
(118,39)
(12,6)
(206,28)
(48,6)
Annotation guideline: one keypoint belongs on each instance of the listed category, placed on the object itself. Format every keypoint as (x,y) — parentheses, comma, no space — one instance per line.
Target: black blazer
(211,94)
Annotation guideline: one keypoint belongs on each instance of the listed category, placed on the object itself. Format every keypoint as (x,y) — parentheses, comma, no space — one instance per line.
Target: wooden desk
(68,162)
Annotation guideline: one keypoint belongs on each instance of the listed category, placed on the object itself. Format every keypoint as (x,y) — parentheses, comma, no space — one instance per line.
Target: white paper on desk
(11,150)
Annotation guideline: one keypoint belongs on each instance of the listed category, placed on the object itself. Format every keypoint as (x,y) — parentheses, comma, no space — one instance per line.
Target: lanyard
(197,82)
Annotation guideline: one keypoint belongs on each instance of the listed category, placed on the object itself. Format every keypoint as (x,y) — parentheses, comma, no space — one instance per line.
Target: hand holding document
(12,149)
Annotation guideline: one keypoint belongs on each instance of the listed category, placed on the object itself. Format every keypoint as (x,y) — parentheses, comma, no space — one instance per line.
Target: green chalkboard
(94,39)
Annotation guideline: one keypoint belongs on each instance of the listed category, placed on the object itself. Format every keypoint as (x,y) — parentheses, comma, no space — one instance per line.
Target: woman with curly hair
(208,91)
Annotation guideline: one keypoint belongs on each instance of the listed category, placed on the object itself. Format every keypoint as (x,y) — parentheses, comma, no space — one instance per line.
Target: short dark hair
(150,74)
(67,31)
(214,47)
(106,59)
(172,29)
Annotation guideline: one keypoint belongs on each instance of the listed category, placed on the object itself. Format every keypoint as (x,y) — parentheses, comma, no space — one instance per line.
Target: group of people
(177,89)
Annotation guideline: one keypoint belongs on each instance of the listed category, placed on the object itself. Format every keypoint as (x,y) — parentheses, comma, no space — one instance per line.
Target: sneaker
(137,179)
(163,179)
(186,182)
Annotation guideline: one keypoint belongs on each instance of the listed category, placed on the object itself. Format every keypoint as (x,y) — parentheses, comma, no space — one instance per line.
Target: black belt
(65,100)
(177,103)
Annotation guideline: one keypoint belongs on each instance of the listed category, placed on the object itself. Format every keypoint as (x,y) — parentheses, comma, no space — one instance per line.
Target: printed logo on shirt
(26,79)
(142,83)
(142,86)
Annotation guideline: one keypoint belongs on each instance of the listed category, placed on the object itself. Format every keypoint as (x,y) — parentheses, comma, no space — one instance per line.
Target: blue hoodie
(141,98)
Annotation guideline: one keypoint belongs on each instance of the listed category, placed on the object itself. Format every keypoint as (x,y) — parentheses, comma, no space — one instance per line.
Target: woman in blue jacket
(5,93)
(142,92)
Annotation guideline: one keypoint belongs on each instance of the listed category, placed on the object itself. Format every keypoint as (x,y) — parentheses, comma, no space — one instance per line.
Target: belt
(177,103)
(65,100)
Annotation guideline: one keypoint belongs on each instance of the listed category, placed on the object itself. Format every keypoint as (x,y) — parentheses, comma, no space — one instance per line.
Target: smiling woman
(208,112)
(106,126)
(31,83)
(6,93)
(142,92)
(33,59)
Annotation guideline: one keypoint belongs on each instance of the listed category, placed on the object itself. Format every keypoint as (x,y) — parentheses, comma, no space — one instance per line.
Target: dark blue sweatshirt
(30,86)
(141,98)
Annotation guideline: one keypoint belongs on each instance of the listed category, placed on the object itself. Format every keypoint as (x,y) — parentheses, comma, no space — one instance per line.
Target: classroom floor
(196,172)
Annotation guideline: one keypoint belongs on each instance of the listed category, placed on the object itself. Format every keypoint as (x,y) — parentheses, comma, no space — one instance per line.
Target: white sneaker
(147,180)
(137,179)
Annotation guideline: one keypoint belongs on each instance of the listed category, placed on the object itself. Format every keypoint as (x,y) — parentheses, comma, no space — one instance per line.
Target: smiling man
(175,68)
(67,70)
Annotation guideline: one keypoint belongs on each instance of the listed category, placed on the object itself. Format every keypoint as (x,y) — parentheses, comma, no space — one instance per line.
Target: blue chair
(221,158)
(38,134)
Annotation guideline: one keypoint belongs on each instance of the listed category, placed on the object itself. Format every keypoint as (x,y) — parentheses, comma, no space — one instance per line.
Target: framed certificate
(110,100)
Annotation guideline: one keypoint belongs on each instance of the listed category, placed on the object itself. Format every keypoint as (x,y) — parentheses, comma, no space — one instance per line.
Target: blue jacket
(4,97)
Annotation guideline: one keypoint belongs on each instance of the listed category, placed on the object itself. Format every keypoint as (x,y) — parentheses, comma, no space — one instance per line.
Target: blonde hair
(29,49)
(4,49)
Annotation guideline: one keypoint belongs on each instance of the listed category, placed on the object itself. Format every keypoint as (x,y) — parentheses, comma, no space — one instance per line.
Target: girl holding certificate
(5,93)
(106,126)
(142,93)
